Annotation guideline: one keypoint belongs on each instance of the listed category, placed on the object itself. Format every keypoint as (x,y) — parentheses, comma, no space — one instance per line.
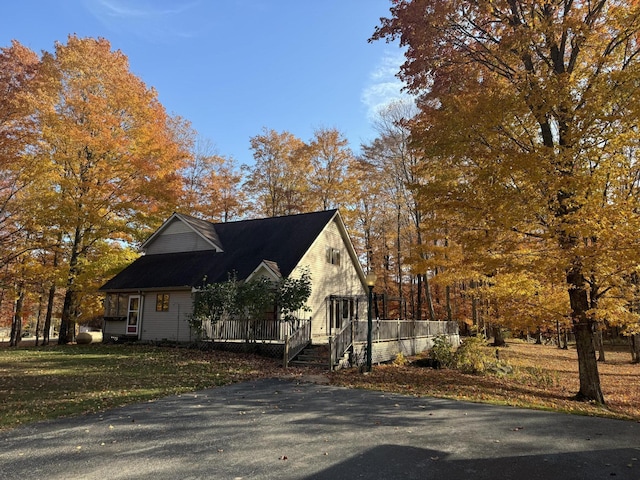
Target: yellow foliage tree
(111,153)
(278,181)
(534,105)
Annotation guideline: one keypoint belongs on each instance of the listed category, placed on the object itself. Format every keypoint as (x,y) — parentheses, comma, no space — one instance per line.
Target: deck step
(312,356)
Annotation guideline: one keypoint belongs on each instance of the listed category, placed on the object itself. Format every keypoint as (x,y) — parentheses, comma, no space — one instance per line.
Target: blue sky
(233,67)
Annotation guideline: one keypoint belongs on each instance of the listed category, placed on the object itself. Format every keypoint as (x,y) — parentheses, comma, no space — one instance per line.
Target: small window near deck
(162,302)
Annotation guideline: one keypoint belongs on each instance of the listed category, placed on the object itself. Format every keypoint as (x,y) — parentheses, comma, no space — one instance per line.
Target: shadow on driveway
(283,429)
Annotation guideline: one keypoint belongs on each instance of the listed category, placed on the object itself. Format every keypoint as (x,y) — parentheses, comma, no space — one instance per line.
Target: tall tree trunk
(634,341)
(474,313)
(427,294)
(46,329)
(39,318)
(69,308)
(399,257)
(16,323)
(419,297)
(67,323)
(447,294)
(583,328)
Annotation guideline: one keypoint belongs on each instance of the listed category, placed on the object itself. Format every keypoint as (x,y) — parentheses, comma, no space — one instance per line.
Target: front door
(133,314)
(341,311)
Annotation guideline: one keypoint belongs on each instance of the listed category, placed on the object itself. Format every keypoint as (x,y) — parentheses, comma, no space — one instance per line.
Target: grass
(544,377)
(39,383)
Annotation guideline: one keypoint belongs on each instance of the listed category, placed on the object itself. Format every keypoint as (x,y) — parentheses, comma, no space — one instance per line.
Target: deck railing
(297,341)
(252,330)
(397,329)
(340,343)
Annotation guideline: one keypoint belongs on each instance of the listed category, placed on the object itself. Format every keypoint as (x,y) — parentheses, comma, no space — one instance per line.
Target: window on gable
(162,302)
(333,256)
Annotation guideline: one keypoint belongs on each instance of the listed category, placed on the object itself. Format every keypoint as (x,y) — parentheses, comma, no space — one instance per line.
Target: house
(152,299)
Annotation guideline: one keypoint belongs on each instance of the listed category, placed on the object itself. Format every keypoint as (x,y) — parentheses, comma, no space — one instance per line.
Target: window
(115,305)
(333,256)
(162,302)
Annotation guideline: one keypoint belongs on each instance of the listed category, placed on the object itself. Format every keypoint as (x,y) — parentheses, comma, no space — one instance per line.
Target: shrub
(470,356)
(442,351)
(400,360)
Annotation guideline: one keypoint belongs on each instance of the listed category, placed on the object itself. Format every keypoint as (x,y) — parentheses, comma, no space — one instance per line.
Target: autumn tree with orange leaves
(212,185)
(111,154)
(19,67)
(278,181)
(535,106)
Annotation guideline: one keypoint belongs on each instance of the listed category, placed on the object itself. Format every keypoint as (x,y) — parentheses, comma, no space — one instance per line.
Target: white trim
(134,329)
(270,271)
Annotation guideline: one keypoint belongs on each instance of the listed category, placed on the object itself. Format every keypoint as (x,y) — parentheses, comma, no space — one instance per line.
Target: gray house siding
(178,237)
(172,325)
(113,329)
(155,326)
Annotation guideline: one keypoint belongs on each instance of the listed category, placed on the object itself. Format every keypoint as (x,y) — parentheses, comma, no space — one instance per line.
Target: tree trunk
(69,308)
(447,291)
(600,343)
(67,324)
(634,340)
(47,317)
(39,318)
(427,294)
(498,337)
(16,323)
(538,336)
(583,328)
(588,366)
(399,256)
(474,313)
(419,297)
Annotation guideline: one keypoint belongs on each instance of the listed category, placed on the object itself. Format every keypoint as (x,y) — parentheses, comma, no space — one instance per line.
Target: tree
(278,181)
(398,165)
(535,105)
(111,153)
(19,67)
(330,157)
(212,185)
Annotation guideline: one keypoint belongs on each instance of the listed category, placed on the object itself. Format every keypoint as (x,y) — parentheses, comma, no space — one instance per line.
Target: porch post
(371,281)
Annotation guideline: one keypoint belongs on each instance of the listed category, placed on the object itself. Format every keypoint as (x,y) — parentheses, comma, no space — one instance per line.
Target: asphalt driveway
(279,429)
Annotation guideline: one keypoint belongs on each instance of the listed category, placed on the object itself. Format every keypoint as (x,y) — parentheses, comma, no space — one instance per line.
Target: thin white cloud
(144,9)
(153,20)
(384,87)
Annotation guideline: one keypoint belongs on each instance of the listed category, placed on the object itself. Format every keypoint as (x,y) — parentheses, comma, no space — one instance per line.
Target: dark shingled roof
(281,240)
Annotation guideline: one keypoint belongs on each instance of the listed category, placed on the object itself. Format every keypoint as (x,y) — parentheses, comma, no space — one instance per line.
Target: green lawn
(38,383)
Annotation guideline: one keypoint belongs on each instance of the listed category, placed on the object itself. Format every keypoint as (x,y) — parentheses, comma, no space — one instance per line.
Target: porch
(388,338)
(347,347)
